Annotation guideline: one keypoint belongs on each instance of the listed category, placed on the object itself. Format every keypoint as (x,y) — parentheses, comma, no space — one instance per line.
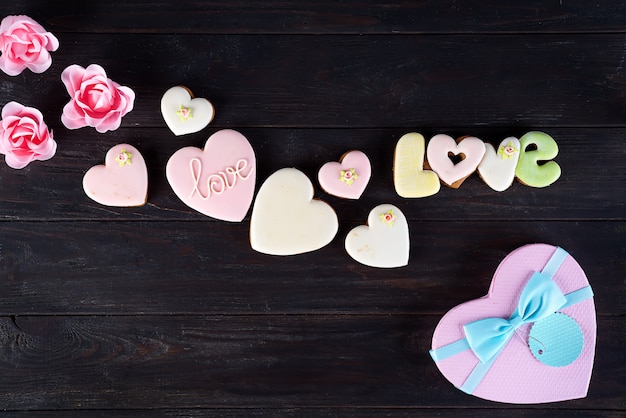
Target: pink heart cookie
(517,373)
(217,181)
(348,177)
(470,148)
(122,181)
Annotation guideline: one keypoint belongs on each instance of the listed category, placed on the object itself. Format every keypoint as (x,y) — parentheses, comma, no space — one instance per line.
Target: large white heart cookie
(217,181)
(122,181)
(383,242)
(183,114)
(286,220)
(497,169)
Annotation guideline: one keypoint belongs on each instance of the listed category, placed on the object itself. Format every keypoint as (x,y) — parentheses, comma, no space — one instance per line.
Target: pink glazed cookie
(470,149)
(217,181)
(121,181)
(531,339)
(348,177)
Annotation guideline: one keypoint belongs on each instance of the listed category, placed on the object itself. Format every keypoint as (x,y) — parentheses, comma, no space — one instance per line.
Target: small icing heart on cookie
(409,177)
(286,220)
(383,242)
(470,149)
(122,181)
(217,181)
(347,178)
(497,169)
(183,114)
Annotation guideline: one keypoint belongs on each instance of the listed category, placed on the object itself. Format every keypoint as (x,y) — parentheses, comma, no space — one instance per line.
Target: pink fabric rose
(96,100)
(24,43)
(24,137)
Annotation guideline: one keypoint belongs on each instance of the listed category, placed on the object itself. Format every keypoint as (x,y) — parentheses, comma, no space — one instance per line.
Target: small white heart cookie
(286,220)
(122,181)
(383,242)
(183,114)
(497,169)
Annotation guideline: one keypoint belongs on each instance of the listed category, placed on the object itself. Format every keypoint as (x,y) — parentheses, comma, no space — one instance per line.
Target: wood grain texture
(161,311)
(246,361)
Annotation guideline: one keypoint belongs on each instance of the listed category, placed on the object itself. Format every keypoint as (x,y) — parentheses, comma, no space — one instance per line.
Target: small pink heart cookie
(122,181)
(531,339)
(470,149)
(217,181)
(348,177)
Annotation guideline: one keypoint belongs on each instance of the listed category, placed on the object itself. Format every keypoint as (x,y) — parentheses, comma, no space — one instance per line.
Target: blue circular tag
(556,340)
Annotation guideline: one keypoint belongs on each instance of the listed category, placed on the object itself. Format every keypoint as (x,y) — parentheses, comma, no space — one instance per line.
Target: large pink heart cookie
(531,339)
(217,181)
(348,177)
(470,149)
(122,181)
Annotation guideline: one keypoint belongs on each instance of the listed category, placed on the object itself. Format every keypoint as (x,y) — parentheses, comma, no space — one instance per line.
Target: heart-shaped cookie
(122,180)
(348,177)
(285,218)
(497,169)
(183,114)
(470,149)
(531,339)
(409,177)
(383,242)
(217,181)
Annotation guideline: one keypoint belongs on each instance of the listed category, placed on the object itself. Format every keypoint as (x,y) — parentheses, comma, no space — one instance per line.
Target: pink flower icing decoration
(96,100)
(24,137)
(24,43)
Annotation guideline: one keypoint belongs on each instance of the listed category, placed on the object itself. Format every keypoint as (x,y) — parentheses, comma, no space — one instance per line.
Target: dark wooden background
(161,311)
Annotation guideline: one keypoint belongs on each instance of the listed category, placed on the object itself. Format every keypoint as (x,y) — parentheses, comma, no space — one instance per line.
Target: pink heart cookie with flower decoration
(348,177)
(217,181)
(122,181)
(469,149)
(531,339)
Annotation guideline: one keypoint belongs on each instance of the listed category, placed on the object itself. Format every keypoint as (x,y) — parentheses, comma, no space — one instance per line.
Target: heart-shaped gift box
(531,339)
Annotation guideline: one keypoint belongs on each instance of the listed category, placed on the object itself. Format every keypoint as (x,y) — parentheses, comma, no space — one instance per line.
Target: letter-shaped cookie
(528,170)
(409,177)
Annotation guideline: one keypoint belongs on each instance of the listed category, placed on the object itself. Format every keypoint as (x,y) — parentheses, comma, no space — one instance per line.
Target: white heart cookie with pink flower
(286,220)
(531,339)
(469,150)
(218,180)
(348,177)
(183,113)
(383,242)
(122,180)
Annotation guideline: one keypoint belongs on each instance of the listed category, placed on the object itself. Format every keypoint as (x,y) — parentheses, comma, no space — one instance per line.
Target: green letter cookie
(528,170)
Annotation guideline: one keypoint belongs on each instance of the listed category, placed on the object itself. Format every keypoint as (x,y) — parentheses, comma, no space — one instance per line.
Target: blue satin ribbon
(540,298)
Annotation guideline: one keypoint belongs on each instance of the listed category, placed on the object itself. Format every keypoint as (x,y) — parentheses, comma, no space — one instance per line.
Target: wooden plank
(255,361)
(592,161)
(326,17)
(190,267)
(372,81)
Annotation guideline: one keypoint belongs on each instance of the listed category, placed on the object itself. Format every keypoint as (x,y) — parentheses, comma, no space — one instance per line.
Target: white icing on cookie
(497,169)
(184,115)
(122,181)
(452,174)
(285,218)
(383,242)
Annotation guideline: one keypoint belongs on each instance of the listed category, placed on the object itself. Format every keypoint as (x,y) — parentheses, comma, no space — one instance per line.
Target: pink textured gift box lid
(516,376)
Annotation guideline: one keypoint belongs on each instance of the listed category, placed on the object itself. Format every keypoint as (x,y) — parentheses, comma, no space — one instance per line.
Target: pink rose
(24,43)
(24,137)
(96,100)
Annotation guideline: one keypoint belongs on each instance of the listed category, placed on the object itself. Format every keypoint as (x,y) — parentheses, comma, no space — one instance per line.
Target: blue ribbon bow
(540,298)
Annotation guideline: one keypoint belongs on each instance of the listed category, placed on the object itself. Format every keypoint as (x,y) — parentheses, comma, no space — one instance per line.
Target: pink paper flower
(96,100)
(24,137)
(24,43)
